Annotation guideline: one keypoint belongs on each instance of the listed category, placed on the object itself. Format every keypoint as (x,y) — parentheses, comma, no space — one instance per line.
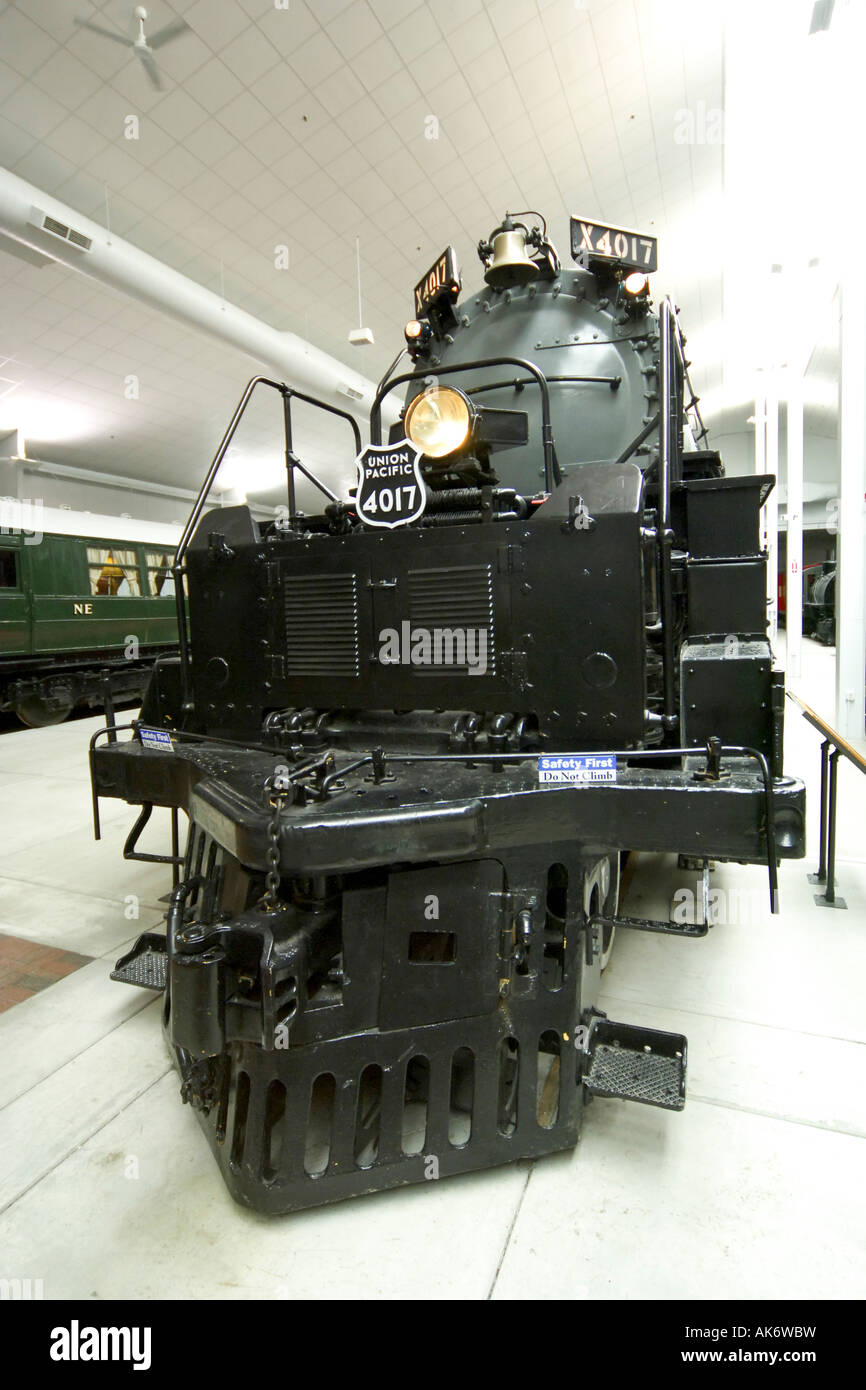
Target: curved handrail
(288,394)
(552,473)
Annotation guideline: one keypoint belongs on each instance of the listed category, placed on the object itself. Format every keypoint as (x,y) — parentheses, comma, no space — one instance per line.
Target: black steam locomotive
(819,605)
(415,733)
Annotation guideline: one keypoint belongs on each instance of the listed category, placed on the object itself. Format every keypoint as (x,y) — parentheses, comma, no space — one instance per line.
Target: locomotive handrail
(377,759)
(387,374)
(614,382)
(669,334)
(110,731)
(552,472)
(292,460)
(288,393)
(694,403)
(645,433)
(198,505)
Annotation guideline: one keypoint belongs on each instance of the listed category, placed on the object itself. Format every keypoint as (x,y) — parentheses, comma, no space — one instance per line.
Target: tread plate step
(146,964)
(641,1064)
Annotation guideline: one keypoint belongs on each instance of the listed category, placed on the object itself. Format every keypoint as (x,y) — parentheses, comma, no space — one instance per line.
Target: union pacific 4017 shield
(390,487)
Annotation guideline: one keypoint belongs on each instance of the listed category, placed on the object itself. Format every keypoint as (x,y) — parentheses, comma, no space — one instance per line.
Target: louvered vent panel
(458,597)
(322,625)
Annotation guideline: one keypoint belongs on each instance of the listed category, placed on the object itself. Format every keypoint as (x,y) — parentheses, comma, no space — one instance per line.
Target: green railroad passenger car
(88,598)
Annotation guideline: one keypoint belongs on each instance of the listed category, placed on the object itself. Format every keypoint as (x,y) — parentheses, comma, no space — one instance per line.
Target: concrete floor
(108,1189)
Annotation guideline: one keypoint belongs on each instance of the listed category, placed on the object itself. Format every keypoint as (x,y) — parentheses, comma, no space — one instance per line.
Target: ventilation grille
(56,228)
(322,625)
(457,598)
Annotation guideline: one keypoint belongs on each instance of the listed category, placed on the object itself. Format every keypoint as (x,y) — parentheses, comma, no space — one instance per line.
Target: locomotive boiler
(415,734)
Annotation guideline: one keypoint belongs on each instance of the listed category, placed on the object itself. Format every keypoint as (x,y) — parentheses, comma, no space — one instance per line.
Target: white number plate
(594,241)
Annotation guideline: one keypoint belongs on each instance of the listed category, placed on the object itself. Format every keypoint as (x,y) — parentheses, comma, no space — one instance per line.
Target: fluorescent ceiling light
(46,419)
(250,473)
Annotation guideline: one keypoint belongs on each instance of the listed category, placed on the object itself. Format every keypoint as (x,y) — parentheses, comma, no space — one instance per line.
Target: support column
(761,434)
(771,511)
(794,575)
(851,561)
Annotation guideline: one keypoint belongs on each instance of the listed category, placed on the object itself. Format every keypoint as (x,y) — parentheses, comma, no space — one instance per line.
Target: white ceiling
(306,126)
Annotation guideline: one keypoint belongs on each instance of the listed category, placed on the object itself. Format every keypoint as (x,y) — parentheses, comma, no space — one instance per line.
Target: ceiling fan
(142,47)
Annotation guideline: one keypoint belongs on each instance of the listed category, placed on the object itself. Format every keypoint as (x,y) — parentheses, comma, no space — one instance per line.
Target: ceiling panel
(308,126)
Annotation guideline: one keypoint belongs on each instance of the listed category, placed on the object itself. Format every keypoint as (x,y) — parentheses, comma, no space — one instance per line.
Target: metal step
(146,964)
(642,1064)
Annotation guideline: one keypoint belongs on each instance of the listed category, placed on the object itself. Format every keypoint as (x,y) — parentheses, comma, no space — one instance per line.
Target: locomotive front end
(416,734)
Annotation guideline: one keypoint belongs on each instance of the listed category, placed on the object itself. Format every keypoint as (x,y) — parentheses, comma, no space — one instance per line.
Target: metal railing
(672,368)
(552,471)
(293,463)
(327,773)
(672,376)
(833,747)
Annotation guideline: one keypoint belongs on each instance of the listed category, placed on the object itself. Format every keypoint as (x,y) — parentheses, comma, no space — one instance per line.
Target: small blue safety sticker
(155,738)
(578,769)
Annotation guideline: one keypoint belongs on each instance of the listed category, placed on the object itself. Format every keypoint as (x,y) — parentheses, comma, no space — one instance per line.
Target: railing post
(822,852)
(289,453)
(828,897)
(829,891)
(175,846)
(829,792)
(794,544)
(108,705)
(771,509)
(665,534)
(821,875)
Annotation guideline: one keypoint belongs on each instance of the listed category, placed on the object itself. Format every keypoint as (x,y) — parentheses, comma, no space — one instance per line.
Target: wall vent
(56,228)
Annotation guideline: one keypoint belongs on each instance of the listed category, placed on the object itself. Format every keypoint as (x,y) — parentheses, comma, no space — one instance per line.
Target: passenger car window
(8,569)
(113,572)
(160,580)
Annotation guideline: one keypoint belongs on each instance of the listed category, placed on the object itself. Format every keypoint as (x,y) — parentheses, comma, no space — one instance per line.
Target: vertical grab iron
(671,375)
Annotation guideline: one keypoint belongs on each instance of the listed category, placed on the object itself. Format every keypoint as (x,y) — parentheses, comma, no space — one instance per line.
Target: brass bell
(510,264)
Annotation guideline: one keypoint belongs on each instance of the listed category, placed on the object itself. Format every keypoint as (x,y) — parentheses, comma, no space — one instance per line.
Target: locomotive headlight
(439,421)
(635,283)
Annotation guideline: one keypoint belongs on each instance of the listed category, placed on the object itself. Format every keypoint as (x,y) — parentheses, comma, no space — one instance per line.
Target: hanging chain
(276,799)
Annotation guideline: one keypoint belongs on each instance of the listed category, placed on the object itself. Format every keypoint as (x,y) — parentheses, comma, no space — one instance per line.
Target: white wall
(820,454)
(107,499)
(737,451)
(110,501)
